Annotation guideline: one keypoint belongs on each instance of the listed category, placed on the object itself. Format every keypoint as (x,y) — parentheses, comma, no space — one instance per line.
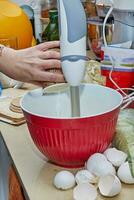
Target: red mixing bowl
(68,141)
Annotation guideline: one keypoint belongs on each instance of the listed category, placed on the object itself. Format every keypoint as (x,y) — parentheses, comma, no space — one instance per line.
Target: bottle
(90,8)
(51,32)
(47,5)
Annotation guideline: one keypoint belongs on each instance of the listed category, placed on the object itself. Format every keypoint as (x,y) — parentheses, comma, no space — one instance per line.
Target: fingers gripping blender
(72,25)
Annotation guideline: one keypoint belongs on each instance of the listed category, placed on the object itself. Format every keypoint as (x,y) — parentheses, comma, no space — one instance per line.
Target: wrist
(6,58)
(7,61)
(2,52)
(1,49)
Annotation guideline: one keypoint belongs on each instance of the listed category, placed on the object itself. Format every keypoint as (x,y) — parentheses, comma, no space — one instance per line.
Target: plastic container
(123,78)
(123,71)
(68,141)
(15,24)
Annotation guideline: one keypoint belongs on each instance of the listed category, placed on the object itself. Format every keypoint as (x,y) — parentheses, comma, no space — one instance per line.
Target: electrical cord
(127,99)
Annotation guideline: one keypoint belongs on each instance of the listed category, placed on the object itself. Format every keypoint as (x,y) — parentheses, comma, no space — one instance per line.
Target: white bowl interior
(94,100)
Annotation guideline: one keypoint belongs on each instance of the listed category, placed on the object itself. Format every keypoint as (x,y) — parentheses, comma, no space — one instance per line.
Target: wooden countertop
(35,173)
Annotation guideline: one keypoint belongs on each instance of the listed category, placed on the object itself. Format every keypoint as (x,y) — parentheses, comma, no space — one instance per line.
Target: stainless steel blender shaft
(75,101)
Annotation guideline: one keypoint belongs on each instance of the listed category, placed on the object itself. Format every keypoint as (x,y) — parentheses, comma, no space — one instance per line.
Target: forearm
(6,60)
(1,56)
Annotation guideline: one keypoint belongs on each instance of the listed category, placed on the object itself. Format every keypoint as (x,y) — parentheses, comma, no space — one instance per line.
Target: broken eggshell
(84,176)
(109,185)
(93,159)
(84,191)
(115,156)
(96,157)
(124,174)
(64,180)
(98,165)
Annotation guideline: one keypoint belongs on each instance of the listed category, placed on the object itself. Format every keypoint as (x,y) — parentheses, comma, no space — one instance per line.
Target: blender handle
(73,31)
(76,23)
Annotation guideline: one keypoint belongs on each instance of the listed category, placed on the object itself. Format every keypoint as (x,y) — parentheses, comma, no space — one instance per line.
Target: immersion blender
(73,29)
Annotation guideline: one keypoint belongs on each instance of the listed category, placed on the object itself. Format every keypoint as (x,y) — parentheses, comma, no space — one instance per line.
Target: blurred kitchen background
(43,16)
(44,19)
(37,22)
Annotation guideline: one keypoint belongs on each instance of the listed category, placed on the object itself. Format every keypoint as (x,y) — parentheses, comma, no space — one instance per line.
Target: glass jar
(90,8)
(51,32)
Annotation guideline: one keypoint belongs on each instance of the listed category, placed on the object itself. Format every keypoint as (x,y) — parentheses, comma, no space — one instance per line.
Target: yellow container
(14,23)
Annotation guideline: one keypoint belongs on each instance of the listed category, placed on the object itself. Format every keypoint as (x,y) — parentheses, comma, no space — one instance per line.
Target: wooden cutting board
(6,114)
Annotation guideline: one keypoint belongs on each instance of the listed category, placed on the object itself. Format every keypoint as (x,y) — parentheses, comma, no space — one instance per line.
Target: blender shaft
(75,101)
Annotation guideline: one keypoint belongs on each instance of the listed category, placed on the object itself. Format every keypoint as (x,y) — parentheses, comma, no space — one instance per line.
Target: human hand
(32,65)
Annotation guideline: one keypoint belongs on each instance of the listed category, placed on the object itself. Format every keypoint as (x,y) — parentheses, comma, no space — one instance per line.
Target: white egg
(97,156)
(115,156)
(84,176)
(124,174)
(109,185)
(64,180)
(93,160)
(98,165)
(84,191)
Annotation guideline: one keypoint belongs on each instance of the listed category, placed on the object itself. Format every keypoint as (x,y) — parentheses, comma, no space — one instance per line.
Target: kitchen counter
(36,174)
